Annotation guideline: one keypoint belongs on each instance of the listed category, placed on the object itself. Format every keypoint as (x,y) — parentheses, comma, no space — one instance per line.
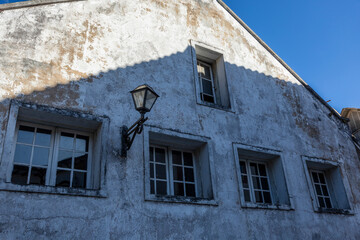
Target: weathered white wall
(87,55)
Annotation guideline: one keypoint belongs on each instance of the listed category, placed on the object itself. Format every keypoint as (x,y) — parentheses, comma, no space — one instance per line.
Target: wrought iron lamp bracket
(128,134)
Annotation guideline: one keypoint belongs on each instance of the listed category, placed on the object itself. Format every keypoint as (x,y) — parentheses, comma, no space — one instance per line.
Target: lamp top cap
(144,86)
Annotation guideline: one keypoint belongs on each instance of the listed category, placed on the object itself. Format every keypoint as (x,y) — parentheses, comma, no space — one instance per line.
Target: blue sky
(318,39)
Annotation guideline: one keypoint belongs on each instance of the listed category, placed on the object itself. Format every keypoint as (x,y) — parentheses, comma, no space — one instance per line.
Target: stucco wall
(86,56)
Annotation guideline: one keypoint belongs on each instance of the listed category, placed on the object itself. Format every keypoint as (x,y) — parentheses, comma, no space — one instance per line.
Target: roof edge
(312,91)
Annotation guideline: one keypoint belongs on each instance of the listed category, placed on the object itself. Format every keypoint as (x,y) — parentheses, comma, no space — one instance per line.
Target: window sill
(52,190)
(182,200)
(219,107)
(266,206)
(335,211)
(31,3)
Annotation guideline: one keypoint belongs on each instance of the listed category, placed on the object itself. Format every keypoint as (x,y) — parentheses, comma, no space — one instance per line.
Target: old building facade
(238,146)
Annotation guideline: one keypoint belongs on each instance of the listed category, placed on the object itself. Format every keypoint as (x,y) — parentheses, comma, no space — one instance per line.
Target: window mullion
(51,158)
(170,173)
(31,157)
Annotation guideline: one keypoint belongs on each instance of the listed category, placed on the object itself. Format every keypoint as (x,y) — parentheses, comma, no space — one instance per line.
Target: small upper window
(206,80)
(211,84)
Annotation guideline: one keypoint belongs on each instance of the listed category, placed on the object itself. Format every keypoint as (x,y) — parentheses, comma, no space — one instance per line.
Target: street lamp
(144,98)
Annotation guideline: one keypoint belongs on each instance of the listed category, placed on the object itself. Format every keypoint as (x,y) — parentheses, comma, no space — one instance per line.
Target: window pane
(328,203)
(64,159)
(262,169)
(189,174)
(178,173)
(67,140)
(41,156)
(43,137)
(176,157)
(160,171)
(139,98)
(264,184)
(267,197)
(82,143)
(321,202)
(315,177)
(79,179)
(207,87)
(161,188)
(188,161)
(160,155)
(151,154)
(25,134)
(253,169)
(318,189)
(247,195)
(151,170)
(20,174)
(152,187)
(258,197)
(324,190)
(80,161)
(256,182)
(190,190)
(245,182)
(321,178)
(207,98)
(150,99)
(204,71)
(22,154)
(178,189)
(242,167)
(63,178)
(38,176)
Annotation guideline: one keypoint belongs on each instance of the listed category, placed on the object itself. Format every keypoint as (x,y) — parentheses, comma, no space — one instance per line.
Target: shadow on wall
(274,106)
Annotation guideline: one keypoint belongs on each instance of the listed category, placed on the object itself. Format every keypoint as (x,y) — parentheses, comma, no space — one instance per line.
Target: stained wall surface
(85,56)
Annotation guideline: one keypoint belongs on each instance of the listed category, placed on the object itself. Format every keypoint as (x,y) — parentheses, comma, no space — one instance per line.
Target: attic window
(210,77)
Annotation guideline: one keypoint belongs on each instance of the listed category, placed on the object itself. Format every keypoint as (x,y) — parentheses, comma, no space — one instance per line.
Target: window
(255,182)
(41,148)
(321,189)
(172,172)
(178,167)
(206,80)
(54,151)
(326,186)
(210,77)
(262,181)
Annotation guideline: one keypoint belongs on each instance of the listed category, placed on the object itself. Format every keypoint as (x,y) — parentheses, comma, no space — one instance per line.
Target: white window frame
(49,117)
(199,62)
(326,185)
(53,153)
(170,173)
(48,169)
(251,184)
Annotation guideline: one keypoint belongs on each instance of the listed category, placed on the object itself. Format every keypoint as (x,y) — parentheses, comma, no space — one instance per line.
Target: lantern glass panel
(150,100)
(139,98)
